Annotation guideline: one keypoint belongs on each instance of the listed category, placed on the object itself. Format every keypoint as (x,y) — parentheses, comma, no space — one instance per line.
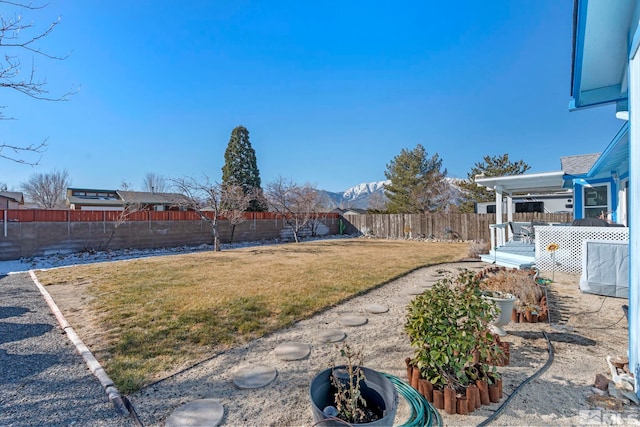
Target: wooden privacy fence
(444,226)
(47,215)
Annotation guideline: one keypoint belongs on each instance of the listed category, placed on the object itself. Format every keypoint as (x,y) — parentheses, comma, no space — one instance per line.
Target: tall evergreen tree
(417,182)
(241,167)
(489,167)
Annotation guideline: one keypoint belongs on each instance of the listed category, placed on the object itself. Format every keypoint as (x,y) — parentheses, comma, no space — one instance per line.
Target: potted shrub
(447,325)
(352,394)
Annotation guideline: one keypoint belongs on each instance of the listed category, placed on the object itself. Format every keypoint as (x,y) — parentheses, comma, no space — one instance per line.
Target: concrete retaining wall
(27,239)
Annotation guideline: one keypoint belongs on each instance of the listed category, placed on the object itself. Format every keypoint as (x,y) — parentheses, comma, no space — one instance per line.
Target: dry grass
(157,314)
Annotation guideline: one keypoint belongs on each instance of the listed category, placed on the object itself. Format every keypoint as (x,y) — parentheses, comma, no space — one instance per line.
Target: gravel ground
(43,380)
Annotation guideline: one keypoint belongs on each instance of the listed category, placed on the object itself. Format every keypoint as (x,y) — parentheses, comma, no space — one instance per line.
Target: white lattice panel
(568,257)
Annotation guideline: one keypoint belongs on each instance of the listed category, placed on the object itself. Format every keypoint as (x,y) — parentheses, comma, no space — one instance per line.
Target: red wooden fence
(42,215)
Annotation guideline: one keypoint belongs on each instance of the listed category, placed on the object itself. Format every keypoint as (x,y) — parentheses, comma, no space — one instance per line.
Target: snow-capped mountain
(363,196)
(364,190)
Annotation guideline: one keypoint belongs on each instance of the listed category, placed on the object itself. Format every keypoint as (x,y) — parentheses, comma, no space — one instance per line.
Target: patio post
(499,230)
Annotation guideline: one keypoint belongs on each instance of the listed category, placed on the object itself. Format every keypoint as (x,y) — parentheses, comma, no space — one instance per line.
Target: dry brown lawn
(147,318)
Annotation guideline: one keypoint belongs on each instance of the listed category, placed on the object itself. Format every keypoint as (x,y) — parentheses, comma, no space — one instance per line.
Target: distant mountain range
(362,196)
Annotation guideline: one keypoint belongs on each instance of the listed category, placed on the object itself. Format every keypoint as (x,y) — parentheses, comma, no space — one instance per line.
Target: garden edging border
(92,363)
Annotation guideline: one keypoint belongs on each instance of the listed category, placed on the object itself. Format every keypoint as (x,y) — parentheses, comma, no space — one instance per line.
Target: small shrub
(478,248)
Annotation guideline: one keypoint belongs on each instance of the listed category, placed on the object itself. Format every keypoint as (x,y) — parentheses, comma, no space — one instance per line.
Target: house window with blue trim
(596,201)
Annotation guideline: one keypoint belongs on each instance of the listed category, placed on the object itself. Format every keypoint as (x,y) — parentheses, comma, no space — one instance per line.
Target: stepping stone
(352,320)
(376,308)
(254,376)
(200,412)
(400,300)
(330,335)
(415,291)
(292,351)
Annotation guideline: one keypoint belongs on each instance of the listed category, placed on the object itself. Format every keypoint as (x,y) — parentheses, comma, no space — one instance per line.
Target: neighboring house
(559,202)
(94,199)
(11,199)
(154,201)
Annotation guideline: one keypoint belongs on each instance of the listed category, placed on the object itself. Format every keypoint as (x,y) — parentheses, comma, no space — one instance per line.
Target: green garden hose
(422,412)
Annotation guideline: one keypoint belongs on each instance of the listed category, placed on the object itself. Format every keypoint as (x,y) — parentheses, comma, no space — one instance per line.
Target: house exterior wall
(612,196)
(7,203)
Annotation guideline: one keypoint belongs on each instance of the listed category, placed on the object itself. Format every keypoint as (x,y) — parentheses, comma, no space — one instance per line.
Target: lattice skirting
(568,257)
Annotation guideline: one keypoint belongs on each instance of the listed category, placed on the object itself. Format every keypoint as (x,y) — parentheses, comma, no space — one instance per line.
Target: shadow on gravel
(14,367)
(10,332)
(565,337)
(12,311)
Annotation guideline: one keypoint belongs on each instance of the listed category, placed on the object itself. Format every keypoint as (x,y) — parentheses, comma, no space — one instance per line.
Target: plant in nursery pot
(352,394)
(447,325)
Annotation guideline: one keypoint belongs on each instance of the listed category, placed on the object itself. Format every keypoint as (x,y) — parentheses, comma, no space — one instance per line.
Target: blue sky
(330,92)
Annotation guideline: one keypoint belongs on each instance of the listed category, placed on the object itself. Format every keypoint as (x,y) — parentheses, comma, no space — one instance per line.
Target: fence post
(5,223)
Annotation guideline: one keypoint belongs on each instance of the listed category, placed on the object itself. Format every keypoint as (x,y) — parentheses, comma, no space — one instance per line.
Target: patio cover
(510,185)
(546,182)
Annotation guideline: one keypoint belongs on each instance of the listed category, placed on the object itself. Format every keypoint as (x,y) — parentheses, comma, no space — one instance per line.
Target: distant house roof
(16,196)
(578,165)
(93,197)
(147,198)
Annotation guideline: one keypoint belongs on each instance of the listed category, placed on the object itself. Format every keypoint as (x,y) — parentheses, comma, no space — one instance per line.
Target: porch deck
(513,254)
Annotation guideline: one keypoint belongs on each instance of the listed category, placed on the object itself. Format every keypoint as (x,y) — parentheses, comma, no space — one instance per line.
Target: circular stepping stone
(352,320)
(292,351)
(330,335)
(254,376)
(376,308)
(203,412)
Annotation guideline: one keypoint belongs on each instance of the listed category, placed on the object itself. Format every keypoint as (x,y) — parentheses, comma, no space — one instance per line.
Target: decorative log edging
(474,396)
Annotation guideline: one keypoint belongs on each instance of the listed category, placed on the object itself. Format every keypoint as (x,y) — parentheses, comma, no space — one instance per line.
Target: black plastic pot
(377,390)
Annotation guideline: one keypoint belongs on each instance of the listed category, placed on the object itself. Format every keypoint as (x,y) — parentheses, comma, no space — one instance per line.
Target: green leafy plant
(446,325)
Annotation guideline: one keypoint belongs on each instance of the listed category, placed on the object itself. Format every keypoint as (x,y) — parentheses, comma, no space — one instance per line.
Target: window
(491,209)
(529,207)
(596,201)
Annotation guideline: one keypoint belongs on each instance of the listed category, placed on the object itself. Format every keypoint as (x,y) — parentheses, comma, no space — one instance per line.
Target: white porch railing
(568,257)
(501,233)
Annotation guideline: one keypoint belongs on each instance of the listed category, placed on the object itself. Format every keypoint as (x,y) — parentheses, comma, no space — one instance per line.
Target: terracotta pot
(534,317)
(471,398)
(450,400)
(407,361)
(494,393)
(462,406)
(477,399)
(438,399)
(499,382)
(483,387)
(426,389)
(527,316)
(522,318)
(514,316)
(415,376)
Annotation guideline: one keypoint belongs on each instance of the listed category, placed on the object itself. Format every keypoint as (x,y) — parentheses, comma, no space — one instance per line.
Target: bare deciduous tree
(123,216)
(47,189)
(154,183)
(298,204)
(17,38)
(202,197)
(234,203)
